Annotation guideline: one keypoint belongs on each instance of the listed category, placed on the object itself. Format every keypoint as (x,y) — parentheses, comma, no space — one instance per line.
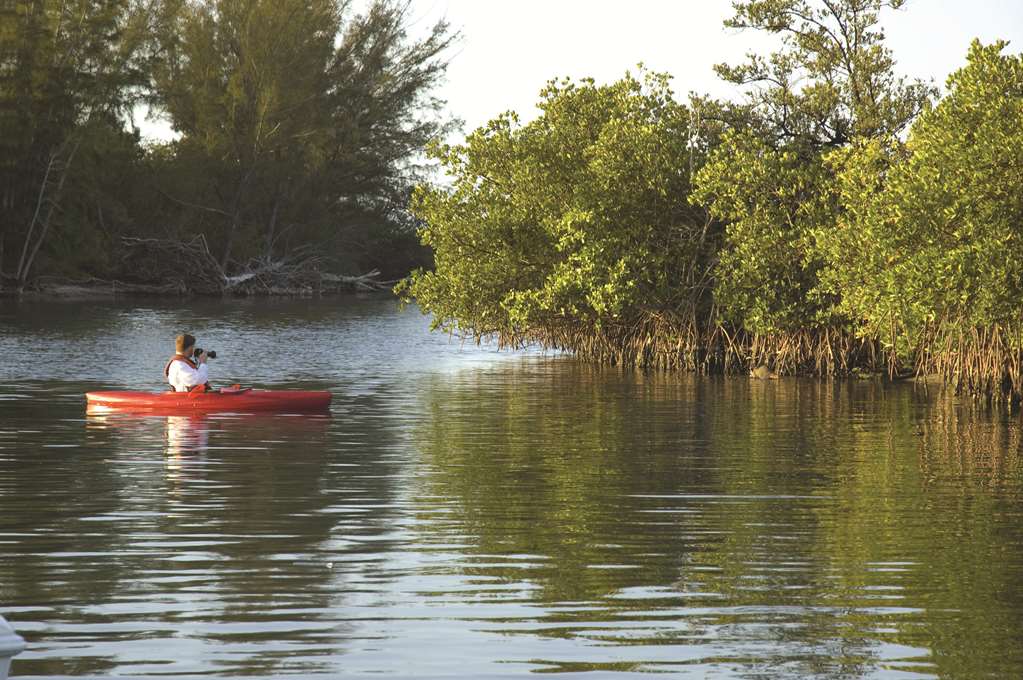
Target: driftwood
(93,287)
(189,267)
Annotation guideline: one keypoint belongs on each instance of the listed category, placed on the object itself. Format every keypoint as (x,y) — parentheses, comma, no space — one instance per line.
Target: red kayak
(226,399)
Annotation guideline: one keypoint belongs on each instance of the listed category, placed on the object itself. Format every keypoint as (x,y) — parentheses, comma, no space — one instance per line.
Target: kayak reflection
(187,434)
(193,433)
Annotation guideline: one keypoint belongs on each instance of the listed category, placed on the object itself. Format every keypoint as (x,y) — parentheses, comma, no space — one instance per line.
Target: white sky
(509,50)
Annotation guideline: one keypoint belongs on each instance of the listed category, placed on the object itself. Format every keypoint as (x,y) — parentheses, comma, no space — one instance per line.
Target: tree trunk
(35,217)
(236,210)
(25,265)
(230,241)
(271,228)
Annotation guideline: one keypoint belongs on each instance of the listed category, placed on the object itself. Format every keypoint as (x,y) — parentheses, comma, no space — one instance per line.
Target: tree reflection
(231,522)
(612,520)
(827,529)
(554,464)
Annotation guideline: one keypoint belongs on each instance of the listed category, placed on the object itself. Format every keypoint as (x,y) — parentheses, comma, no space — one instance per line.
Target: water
(468,512)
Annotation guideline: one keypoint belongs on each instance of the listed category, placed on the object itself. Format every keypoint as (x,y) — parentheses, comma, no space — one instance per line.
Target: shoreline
(114,289)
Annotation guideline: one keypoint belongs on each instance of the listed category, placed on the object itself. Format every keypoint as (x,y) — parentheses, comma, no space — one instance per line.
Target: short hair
(183,342)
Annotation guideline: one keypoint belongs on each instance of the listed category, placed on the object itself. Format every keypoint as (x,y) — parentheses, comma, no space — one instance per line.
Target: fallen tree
(188,267)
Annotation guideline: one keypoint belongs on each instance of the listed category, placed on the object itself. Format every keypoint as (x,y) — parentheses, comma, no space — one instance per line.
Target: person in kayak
(182,371)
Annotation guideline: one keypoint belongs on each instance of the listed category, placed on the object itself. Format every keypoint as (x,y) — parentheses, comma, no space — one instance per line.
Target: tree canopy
(929,241)
(300,127)
(306,119)
(835,219)
(69,73)
(833,82)
(577,217)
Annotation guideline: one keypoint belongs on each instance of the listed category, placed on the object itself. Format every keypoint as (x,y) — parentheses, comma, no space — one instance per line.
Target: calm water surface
(474,513)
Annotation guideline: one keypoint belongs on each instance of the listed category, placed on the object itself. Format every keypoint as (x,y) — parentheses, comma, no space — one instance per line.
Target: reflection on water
(462,512)
(186,434)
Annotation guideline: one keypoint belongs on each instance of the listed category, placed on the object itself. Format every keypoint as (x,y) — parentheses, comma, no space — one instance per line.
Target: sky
(509,50)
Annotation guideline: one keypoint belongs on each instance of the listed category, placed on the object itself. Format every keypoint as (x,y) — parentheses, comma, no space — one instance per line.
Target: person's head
(184,344)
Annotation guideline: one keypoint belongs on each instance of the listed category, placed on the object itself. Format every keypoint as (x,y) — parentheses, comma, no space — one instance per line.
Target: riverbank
(98,289)
(648,349)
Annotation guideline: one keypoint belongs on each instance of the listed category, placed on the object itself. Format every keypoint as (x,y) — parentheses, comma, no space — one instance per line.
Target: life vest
(178,357)
(181,357)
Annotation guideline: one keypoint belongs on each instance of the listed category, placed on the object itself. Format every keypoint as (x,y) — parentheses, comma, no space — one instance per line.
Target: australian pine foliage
(69,73)
(298,131)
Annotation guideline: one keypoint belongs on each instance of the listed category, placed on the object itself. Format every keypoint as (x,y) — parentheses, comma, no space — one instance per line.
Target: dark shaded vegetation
(299,126)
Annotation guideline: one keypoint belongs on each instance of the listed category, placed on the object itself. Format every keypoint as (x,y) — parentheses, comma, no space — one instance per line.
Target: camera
(209,355)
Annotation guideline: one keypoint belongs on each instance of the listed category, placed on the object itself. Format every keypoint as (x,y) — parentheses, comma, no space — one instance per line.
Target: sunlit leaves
(931,231)
(831,84)
(772,200)
(580,215)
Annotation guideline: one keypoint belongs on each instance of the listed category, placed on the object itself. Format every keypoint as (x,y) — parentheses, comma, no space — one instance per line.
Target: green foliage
(619,218)
(772,200)
(578,217)
(832,83)
(931,233)
(299,126)
(98,207)
(300,119)
(69,73)
(856,260)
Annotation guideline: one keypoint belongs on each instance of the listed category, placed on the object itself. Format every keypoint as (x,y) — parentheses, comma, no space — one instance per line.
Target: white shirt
(183,377)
